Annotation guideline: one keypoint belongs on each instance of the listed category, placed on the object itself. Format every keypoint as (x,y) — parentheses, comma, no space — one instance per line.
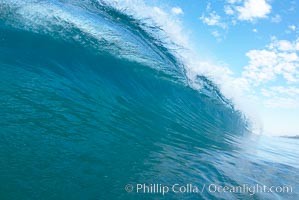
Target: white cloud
(279,59)
(260,68)
(284,45)
(208,8)
(292,27)
(233,1)
(254,30)
(281,97)
(177,11)
(282,102)
(276,19)
(229,10)
(213,20)
(275,91)
(253,9)
(249,10)
(216,34)
(297,44)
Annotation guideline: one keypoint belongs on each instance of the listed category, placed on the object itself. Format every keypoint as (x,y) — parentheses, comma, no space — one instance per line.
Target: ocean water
(95,106)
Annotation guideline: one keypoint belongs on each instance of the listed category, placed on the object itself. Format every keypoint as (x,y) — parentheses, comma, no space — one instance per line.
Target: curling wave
(93,98)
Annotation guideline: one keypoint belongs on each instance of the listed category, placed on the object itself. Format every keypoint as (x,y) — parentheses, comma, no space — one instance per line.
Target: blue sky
(254,45)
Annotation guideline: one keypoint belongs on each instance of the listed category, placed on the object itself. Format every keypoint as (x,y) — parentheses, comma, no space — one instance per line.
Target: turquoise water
(91,101)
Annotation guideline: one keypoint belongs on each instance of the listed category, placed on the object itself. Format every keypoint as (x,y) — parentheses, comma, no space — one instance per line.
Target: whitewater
(100,98)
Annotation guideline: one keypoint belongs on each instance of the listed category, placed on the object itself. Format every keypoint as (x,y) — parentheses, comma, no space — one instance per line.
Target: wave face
(92,99)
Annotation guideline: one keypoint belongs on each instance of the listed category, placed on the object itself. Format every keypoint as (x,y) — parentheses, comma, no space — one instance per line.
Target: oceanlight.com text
(163,189)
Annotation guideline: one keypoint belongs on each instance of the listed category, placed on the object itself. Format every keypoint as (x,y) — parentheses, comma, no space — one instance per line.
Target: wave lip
(98,26)
(106,27)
